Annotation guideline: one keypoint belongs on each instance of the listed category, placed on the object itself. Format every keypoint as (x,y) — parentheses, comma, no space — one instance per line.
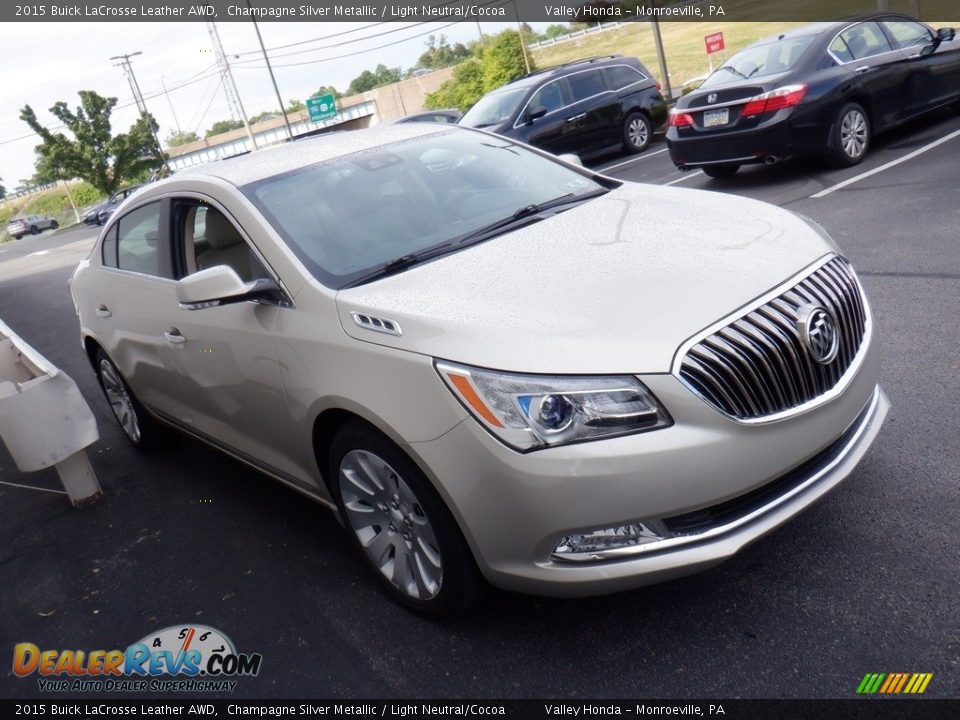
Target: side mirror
(221,285)
(536,112)
(571,158)
(946,34)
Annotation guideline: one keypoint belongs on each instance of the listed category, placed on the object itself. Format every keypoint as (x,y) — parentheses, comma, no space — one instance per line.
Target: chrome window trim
(519,121)
(840,386)
(868,58)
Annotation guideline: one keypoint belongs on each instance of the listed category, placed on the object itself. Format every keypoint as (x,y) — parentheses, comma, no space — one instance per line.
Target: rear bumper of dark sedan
(773,140)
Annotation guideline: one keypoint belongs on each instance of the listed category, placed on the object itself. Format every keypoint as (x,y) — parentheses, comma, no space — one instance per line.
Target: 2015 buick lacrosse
(492,364)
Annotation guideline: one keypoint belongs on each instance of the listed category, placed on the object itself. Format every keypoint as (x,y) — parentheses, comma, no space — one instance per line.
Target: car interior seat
(227,247)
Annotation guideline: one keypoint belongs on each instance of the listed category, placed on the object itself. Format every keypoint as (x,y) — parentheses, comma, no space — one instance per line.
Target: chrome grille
(757,366)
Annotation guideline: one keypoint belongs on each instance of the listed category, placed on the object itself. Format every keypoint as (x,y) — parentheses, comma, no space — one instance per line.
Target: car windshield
(495,108)
(347,217)
(760,61)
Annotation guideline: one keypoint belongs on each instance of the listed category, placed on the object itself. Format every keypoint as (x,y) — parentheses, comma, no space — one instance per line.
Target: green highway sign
(321,107)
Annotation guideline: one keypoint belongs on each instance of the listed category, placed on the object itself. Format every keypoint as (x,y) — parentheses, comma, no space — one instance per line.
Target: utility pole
(286,120)
(66,186)
(227,75)
(124,62)
(166,94)
(523,45)
(658,41)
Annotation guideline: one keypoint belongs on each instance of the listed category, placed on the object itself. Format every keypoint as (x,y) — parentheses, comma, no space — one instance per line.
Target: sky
(55,60)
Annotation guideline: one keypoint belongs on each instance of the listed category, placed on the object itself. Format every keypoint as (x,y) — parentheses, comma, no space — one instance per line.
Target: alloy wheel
(390,524)
(638,132)
(120,401)
(853,134)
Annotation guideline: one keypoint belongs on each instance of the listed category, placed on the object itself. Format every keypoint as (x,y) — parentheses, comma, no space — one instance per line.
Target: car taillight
(659,87)
(680,119)
(785,97)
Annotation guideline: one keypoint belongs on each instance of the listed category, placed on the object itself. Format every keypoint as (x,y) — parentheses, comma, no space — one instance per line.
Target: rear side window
(620,76)
(138,233)
(908,34)
(109,248)
(865,40)
(586,84)
(840,51)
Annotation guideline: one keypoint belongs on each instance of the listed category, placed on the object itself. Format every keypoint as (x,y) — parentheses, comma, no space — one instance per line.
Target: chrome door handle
(862,70)
(581,116)
(915,56)
(174,337)
(103,311)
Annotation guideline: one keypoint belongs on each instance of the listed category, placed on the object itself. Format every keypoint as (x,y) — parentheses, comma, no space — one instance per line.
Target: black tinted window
(619,76)
(865,40)
(908,34)
(551,96)
(586,84)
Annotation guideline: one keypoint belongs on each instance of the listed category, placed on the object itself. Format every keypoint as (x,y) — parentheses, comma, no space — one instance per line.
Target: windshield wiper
(732,70)
(402,263)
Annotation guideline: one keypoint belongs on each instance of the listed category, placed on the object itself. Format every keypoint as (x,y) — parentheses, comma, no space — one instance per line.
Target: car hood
(615,285)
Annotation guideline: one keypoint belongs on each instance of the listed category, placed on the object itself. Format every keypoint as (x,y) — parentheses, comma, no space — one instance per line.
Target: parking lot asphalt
(865,581)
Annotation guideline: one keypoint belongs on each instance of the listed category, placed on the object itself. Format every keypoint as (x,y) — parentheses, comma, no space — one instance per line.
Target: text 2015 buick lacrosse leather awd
(492,363)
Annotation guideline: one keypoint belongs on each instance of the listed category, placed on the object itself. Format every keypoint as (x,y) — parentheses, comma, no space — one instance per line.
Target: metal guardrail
(600,27)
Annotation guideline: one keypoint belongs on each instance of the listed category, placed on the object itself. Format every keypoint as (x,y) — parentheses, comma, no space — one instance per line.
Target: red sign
(714,43)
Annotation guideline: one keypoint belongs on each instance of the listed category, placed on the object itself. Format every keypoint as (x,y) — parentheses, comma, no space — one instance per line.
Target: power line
(138,98)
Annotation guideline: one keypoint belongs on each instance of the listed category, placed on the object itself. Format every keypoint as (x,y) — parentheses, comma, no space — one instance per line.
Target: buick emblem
(818,333)
(712,98)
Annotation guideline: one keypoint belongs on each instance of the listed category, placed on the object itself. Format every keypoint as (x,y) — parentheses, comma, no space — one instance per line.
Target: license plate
(713,118)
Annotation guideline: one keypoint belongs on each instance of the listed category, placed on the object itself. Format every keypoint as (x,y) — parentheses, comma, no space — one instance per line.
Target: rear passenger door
(135,302)
(595,117)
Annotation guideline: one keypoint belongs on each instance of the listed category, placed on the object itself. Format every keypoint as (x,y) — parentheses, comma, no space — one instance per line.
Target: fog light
(609,542)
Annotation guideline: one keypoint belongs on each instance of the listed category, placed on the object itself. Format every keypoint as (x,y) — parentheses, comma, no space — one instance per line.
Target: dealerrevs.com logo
(184,658)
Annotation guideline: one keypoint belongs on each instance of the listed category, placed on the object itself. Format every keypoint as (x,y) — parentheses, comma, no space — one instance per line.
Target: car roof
(542,74)
(288,156)
(824,28)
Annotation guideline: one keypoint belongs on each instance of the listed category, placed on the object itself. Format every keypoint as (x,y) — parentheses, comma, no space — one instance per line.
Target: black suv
(587,107)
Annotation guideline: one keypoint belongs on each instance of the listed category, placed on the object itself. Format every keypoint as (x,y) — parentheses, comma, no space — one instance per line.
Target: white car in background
(30,224)
(491,363)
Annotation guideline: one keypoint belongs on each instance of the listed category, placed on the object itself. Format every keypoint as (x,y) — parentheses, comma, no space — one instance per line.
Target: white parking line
(886,166)
(685,177)
(633,159)
(39,252)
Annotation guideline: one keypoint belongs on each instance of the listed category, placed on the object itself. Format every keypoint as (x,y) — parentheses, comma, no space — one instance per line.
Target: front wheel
(637,132)
(726,170)
(54,225)
(140,429)
(401,525)
(851,137)
(34,230)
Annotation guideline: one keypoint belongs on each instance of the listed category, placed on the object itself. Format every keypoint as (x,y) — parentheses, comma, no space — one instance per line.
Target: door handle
(581,116)
(915,56)
(862,70)
(103,311)
(174,337)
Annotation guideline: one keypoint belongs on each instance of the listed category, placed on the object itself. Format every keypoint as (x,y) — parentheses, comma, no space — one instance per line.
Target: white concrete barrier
(44,420)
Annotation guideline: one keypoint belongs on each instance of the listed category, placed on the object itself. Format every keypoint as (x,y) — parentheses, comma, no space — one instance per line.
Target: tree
(327,90)
(222,126)
(3,192)
(460,91)
(440,54)
(94,154)
(503,60)
(181,137)
(555,31)
(296,106)
(382,75)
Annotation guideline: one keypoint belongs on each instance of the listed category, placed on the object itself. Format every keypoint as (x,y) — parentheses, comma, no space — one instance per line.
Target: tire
(34,230)
(850,138)
(637,132)
(726,170)
(54,225)
(400,525)
(138,426)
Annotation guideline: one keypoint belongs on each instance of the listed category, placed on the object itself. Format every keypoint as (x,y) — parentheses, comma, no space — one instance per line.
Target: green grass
(683,41)
(50,202)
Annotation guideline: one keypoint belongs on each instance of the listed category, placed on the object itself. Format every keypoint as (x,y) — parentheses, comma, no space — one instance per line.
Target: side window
(552,96)
(865,40)
(840,50)
(908,34)
(586,84)
(207,238)
(109,248)
(138,235)
(619,76)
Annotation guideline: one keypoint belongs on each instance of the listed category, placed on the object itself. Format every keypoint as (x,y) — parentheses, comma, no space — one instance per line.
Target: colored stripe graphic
(894,683)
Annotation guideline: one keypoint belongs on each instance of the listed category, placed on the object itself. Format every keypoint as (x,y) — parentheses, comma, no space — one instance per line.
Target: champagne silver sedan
(491,364)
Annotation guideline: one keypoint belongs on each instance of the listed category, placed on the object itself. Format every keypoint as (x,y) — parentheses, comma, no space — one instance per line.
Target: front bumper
(515,508)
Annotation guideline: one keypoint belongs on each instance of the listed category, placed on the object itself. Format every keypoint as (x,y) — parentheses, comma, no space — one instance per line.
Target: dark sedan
(824,89)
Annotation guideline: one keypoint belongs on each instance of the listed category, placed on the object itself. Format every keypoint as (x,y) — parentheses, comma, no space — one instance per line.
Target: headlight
(528,412)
